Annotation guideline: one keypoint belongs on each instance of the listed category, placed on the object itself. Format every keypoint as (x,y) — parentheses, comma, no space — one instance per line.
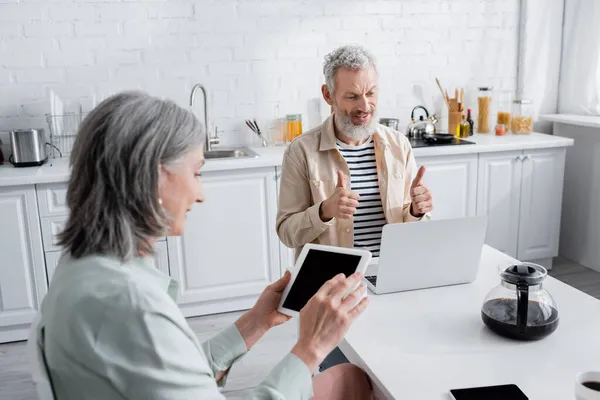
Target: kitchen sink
(231,153)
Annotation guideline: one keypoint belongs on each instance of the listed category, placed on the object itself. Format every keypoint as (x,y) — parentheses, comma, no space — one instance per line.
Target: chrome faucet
(210,141)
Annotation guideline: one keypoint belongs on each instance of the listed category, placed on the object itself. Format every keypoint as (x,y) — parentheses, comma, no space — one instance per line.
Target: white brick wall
(44,29)
(257,58)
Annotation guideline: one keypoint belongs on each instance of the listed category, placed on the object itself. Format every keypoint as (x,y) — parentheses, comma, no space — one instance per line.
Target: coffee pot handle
(522,306)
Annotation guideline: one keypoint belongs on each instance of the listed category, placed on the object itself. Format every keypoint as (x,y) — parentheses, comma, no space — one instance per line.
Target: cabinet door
(52,258)
(229,251)
(51,227)
(286,255)
(22,272)
(52,199)
(452,181)
(161,258)
(498,197)
(541,199)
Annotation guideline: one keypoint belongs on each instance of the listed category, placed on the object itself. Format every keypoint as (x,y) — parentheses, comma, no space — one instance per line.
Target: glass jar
(484,102)
(503,107)
(500,130)
(294,126)
(522,117)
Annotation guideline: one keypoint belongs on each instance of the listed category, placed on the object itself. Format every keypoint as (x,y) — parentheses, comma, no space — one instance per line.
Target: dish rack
(63,131)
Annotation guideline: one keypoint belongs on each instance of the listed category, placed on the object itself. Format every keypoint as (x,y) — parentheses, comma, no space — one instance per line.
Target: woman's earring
(160,201)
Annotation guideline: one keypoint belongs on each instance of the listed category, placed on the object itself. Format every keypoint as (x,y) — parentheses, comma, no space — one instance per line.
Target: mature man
(342,181)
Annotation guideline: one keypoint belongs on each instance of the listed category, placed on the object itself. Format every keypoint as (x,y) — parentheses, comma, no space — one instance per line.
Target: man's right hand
(342,204)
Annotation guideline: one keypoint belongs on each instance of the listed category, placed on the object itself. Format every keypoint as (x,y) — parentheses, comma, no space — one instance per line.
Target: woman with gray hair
(110,327)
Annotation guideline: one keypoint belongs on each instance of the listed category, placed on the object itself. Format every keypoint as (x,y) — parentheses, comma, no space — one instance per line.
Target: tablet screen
(318,267)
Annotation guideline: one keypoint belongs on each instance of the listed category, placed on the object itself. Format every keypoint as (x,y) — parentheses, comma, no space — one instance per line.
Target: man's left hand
(420,197)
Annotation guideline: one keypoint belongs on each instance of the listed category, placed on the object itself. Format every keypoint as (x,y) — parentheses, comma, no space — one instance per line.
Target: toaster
(28,147)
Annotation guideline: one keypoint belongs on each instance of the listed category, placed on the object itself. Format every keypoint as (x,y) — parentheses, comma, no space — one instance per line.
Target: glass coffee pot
(520,308)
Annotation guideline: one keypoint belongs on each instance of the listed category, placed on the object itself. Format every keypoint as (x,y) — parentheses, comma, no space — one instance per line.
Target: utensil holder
(454,118)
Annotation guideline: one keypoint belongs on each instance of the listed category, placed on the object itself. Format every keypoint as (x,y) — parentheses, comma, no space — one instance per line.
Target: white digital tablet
(316,265)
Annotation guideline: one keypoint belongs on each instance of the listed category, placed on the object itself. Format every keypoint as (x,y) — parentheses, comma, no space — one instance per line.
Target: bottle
(464,128)
(470,121)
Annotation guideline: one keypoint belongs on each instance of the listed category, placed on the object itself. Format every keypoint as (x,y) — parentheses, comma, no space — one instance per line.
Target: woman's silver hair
(115,162)
(350,57)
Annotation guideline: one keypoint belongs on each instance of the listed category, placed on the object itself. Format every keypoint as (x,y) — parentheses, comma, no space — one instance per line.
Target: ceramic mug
(583,392)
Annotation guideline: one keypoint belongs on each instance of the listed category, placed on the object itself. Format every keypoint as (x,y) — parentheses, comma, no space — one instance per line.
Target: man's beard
(346,127)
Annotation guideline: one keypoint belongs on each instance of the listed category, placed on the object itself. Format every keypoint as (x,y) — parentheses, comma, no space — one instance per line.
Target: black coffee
(592,385)
(500,315)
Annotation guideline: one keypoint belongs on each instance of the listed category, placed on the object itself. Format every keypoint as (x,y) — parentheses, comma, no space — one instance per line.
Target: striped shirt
(369,218)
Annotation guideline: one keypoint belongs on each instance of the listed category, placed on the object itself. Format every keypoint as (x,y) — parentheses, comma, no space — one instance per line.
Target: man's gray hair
(350,57)
(115,162)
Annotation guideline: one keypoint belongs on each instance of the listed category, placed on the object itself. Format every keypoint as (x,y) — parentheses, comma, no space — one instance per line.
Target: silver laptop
(426,254)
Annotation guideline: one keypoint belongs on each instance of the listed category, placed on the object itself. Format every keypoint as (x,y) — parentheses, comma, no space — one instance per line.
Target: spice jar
(294,126)
(484,102)
(500,130)
(522,117)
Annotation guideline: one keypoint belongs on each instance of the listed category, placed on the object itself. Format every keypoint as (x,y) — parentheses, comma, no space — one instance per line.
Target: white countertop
(488,143)
(57,170)
(573,119)
(430,341)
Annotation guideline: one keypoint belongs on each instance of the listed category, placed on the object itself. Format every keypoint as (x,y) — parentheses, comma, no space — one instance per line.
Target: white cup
(583,392)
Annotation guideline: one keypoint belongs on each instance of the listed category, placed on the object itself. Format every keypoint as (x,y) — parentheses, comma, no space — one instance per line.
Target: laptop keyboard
(372,279)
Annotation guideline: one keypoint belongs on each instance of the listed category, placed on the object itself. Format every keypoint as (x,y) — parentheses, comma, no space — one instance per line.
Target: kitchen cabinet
(287,256)
(51,227)
(52,258)
(541,199)
(52,199)
(521,193)
(23,272)
(54,212)
(452,181)
(580,220)
(229,251)
(499,197)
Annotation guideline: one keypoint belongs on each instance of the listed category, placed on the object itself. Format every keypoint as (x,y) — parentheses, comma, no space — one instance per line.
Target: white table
(420,344)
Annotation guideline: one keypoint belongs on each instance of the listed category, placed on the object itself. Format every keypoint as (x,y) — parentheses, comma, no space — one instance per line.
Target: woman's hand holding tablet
(325,319)
(316,265)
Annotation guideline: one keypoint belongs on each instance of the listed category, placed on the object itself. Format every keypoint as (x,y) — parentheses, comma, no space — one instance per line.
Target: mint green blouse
(112,330)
